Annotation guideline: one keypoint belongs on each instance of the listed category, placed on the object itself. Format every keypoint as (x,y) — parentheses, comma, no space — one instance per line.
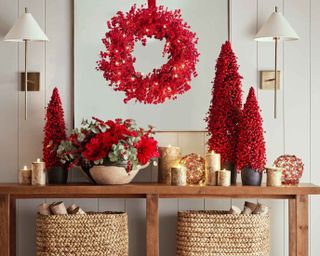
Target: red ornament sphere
(292,169)
(195,166)
(117,61)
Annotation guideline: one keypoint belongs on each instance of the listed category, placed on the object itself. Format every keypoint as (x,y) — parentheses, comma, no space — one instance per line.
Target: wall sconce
(275,29)
(26,29)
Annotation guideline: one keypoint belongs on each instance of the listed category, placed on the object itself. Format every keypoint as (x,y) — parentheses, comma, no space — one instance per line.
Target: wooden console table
(298,197)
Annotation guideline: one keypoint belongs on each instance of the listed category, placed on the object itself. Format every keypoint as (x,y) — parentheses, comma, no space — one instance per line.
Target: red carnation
(225,108)
(147,149)
(251,151)
(99,146)
(119,130)
(54,130)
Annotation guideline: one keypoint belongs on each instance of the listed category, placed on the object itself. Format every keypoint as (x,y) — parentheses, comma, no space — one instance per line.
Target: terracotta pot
(251,177)
(115,174)
(57,175)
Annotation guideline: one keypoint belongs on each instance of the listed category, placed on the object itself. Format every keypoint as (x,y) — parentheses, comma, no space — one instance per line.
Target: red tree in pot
(54,133)
(251,151)
(225,109)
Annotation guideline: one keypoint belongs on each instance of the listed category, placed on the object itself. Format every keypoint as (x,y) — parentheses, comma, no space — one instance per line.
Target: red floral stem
(151,3)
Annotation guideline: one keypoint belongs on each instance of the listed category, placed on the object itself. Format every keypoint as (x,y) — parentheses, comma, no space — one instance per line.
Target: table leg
(302,225)
(292,227)
(5,225)
(152,225)
(298,226)
(12,226)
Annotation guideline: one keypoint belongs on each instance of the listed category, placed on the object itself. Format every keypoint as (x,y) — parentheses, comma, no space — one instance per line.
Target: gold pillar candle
(274,176)
(212,164)
(169,157)
(25,176)
(38,173)
(178,176)
(224,178)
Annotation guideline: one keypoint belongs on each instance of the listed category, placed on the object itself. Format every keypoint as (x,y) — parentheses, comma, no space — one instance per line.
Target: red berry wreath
(117,62)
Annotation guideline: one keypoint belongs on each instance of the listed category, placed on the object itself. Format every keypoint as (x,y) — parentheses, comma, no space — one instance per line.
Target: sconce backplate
(33,81)
(267,80)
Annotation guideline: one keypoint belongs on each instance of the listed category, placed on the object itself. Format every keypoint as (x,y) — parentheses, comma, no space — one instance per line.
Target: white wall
(295,131)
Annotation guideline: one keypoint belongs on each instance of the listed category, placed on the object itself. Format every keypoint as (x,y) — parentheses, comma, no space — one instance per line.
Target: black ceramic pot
(251,177)
(57,175)
(231,167)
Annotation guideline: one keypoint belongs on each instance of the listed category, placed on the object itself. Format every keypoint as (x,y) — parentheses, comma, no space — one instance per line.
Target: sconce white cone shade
(25,28)
(276,27)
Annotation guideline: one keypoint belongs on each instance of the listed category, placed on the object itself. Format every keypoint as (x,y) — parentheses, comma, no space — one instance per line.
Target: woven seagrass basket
(93,234)
(217,233)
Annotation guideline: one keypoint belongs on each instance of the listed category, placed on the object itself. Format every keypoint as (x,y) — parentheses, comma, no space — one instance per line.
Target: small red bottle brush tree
(251,151)
(225,108)
(54,130)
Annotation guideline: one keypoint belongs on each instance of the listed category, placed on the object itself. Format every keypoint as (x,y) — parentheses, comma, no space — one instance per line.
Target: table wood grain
(298,197)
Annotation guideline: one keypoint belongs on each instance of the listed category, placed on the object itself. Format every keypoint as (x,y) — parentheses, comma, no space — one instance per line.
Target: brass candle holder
(169,157)
(274,176)
(178,176)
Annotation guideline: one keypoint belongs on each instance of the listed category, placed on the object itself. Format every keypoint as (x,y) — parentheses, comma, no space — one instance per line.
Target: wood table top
(164,191)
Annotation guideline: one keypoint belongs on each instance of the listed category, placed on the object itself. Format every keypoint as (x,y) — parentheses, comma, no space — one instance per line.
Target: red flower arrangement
(99,142)
(145,148)
(251,151)
(225,108)
(54,130)
(117,62)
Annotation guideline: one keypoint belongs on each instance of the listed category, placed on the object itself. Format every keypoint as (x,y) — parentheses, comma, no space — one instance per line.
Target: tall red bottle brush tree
(251,151)
(225,108)
(54,130)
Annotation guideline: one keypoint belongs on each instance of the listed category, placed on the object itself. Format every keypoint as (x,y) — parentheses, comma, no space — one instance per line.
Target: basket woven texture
(86,235)
(216,233)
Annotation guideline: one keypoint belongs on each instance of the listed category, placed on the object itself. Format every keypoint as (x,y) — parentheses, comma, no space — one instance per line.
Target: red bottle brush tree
(54,130)
(251,151)
(225,108)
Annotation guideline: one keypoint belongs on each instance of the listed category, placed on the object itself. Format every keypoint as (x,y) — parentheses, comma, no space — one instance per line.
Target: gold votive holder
(25,175)
(274,176)
(178,176)
(223,178)
(212,178)
(169,157)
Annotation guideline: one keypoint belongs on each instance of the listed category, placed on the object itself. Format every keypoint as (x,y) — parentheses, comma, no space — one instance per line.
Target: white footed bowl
(113,175)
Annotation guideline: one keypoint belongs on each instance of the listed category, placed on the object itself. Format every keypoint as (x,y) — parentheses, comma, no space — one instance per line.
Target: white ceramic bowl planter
(114,175)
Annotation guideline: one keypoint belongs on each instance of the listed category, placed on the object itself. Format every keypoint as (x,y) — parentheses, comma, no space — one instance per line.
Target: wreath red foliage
(225,108)
(117,62)
(54,130)
(251,151)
